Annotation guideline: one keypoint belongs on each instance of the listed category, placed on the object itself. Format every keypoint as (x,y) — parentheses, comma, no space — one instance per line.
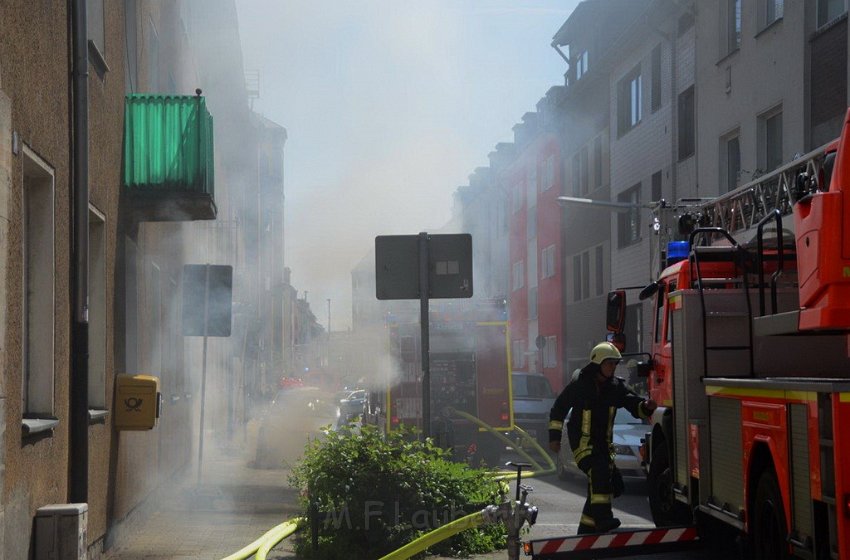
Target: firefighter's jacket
(594,406)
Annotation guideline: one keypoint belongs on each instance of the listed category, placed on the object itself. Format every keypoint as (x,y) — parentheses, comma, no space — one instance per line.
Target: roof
(590,10)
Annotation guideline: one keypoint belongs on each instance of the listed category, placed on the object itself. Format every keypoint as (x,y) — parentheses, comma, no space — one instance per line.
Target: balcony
(168,167)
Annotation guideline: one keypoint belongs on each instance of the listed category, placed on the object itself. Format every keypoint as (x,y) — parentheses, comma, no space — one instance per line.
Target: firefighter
(594,399)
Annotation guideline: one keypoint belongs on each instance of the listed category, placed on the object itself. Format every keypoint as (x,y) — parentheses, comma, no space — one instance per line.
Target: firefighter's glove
(555,446)
(649,406)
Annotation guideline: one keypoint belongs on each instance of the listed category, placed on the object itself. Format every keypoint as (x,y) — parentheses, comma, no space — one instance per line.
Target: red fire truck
(749,364)
(469,366)
(750,361)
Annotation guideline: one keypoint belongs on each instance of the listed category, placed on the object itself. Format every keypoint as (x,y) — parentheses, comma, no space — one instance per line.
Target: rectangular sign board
(219,299)
(449,266)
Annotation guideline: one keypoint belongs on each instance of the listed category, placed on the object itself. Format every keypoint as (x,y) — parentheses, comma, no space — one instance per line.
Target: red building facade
(533,182)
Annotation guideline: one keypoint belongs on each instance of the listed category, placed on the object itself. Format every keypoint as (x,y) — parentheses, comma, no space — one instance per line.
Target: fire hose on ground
(261,547)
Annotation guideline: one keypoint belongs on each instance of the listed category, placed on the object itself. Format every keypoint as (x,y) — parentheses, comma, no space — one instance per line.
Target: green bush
(376,492)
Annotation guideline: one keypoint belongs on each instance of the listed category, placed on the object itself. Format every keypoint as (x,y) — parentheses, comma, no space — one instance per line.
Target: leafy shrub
(376,492)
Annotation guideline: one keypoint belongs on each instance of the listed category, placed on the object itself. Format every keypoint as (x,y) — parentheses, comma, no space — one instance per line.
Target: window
(828,10)
(687,129)
(773,10)
(628,223)
(94,28)
(577,278)
(581,65)
(131,307)
(656,78)
(155,334)
(730,162)
(519,275)
(770,140)
(518,354)
(550,352)
(548,262)
(585,179)
(517,197)
(600,271)
(580,172)
(686,22)
(576,176)
(581,276)
(531,178)
(532,303)
(733,25)
(548,173)
(629,101)
(597,161)
(585,274)
(656,186)
(97,310)
(39,273)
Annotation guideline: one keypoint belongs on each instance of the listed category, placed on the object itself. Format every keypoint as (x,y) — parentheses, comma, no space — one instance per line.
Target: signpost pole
(426,342)
(204,371)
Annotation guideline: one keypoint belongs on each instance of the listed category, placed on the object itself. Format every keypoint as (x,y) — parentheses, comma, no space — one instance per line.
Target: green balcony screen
(168,145)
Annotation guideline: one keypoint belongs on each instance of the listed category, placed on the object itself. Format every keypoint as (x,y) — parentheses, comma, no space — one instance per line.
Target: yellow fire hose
(538,470)
(440,534)
(283,531)
(537,446)
(261,546)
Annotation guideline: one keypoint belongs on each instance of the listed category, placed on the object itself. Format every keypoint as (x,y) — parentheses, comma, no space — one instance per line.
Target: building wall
(650,147)
(106,118)
(550,311)
(6,192)
(767,70)
(33,57)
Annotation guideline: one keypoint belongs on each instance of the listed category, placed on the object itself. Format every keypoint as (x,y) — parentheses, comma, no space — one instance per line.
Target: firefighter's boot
(603,517)
(587,525)
(607,525)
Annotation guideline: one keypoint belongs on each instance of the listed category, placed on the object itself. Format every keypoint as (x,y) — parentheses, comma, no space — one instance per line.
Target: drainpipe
(79,452)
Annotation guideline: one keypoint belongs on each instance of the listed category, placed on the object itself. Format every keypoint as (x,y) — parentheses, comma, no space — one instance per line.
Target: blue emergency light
(677,251)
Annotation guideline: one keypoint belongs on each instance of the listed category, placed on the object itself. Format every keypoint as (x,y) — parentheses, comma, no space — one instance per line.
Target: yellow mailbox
(137,402)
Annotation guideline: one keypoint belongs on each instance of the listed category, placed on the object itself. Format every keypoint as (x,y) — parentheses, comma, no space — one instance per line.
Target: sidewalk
(233,506)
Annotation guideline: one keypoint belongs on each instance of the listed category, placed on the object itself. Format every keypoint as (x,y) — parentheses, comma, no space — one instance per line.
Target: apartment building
(587,41)
(653,140)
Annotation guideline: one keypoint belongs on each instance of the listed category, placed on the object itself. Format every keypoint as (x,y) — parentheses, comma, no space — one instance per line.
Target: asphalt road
(560,503)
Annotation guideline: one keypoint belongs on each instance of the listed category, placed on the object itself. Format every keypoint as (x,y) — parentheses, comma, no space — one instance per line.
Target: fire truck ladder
(738,256)
(619,544)
(743,208)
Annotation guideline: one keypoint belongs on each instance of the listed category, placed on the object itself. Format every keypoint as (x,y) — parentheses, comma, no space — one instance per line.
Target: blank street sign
(449,266)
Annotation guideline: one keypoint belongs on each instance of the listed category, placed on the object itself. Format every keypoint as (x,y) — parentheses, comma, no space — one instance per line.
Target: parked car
(628,432)
(532,398)
(295,416)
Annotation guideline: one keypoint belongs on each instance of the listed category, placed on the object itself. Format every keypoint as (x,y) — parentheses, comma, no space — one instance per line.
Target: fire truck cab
(750,360)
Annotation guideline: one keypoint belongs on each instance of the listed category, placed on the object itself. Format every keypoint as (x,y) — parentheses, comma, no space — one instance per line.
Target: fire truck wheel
(666,510)
(769,530)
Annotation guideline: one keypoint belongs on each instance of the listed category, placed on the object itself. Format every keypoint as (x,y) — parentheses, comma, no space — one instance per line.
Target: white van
(533,398)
